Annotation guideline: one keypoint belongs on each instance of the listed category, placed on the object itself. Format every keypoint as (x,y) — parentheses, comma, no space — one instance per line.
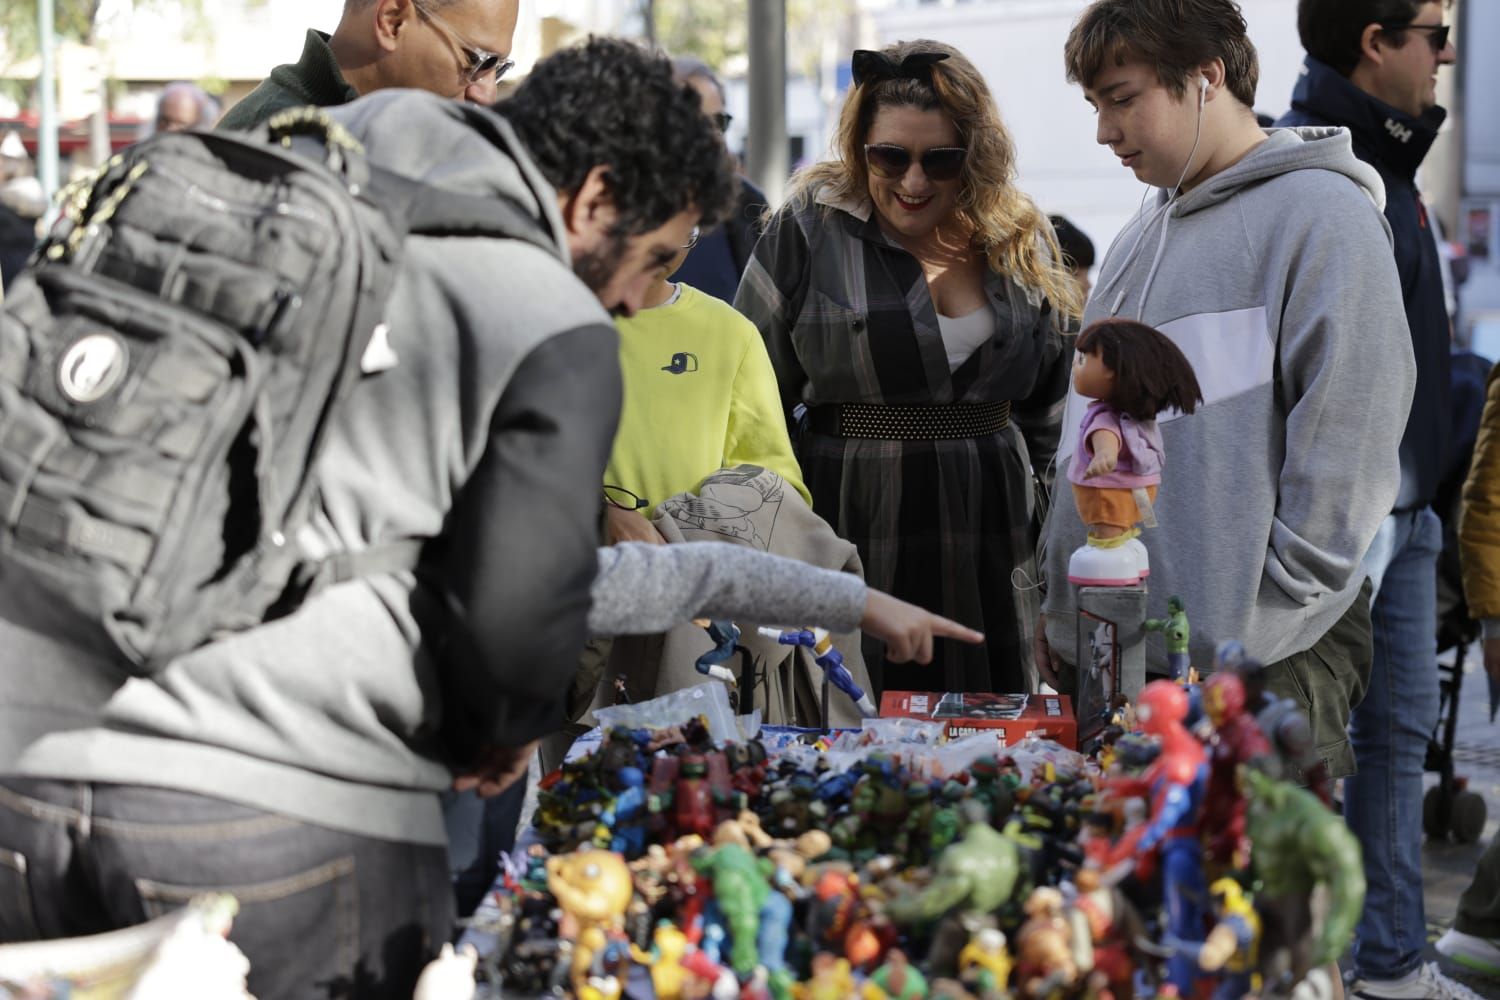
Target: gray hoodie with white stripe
(1276,279)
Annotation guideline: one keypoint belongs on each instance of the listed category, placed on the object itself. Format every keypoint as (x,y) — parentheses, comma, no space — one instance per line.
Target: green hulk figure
(974,877)
(740,889)
(1174,628)
(1299,845)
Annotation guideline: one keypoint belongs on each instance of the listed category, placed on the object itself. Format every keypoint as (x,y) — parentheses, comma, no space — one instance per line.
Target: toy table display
(888,862)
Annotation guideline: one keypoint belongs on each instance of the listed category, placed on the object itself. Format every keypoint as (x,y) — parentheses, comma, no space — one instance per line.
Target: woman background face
(913,205)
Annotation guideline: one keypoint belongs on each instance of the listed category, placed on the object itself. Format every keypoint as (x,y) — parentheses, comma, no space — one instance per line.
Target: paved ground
(1447,867)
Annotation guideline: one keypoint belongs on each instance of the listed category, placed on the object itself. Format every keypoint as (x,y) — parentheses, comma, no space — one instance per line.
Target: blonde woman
(917,315)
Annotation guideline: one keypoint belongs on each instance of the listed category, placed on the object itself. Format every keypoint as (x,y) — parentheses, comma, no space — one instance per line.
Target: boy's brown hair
(1175,37)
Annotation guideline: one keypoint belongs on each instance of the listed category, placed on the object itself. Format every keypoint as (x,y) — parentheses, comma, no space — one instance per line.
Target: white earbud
(1202,91)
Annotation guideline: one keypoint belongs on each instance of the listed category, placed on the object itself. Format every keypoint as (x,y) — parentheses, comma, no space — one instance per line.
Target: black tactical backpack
(171,363)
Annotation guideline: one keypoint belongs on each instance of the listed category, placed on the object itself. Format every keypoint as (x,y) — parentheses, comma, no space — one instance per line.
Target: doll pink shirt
(1140,449)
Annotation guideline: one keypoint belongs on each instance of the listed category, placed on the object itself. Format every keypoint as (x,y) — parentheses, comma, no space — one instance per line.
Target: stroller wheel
(1467,815)
(1434,814)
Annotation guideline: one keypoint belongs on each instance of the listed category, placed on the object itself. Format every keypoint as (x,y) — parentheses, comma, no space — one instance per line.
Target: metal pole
(768,160)
(46,133)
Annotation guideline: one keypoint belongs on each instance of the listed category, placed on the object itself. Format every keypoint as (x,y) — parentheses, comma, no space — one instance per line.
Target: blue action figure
(830,659)
(726,637)
(626,817)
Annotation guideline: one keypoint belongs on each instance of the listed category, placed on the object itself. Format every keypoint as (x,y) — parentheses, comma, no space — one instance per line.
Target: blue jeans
(479,831)
(322,914)
(1389,731)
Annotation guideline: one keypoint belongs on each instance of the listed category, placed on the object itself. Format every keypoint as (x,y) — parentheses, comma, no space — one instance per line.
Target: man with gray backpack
(301,433)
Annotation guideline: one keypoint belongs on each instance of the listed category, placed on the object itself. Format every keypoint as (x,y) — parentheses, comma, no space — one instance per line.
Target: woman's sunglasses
(944,163)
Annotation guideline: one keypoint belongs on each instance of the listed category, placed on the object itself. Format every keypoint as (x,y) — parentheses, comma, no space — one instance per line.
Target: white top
(963,335)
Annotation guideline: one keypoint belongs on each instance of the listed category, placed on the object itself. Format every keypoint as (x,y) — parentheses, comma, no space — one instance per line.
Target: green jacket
(312,79)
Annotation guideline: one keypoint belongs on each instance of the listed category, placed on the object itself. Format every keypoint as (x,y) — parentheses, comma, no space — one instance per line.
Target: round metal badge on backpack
(91,367)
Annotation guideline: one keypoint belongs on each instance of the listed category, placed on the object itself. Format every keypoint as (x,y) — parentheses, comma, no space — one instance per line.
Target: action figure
(1176,782)
(1300,845)
(974,877)
(1132,373)
(1238,740)
(1281,721)
(984,964)
(1231,950)
(899,979)
(1174,628)
(832,663)
(593,888)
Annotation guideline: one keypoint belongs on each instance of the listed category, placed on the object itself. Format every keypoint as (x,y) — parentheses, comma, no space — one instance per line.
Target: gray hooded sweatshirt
(489,435)
(1276,279)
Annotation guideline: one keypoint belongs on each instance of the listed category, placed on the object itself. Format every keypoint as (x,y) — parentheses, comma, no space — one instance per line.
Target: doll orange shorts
(1112,506)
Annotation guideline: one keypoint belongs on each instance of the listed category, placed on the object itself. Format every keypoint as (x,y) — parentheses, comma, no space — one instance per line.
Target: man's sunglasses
(481,62)
(944,163)
(692,239)
(722,120)
(1437,33)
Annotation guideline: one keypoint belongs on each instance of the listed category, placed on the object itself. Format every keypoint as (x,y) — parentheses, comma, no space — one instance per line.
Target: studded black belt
(909,423)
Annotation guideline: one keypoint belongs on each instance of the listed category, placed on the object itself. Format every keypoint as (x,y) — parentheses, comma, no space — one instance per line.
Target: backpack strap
(341,567)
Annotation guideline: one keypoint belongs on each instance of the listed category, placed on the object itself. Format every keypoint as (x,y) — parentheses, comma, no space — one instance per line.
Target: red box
(1049,716)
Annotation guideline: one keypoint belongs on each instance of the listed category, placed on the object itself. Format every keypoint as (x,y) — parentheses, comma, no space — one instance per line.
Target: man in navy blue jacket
(1372,68)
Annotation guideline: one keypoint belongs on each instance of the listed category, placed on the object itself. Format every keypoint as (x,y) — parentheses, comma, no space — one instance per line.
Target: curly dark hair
(1151,372)
(611,102)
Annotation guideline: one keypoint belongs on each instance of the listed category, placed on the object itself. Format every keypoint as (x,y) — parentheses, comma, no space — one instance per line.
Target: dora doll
(1132,373)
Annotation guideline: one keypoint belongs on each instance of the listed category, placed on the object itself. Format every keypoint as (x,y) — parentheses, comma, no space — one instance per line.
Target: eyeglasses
(482,62)
(619,496)
(943,163)
(722,119)
(1437,33)
(692,239)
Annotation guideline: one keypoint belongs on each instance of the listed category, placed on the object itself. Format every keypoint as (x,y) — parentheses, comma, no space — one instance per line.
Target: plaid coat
(848,318)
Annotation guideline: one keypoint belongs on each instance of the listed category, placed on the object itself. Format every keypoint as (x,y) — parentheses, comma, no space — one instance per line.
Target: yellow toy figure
(1232,948)
(593,888)
(984,963)
(668,946)
(832,979)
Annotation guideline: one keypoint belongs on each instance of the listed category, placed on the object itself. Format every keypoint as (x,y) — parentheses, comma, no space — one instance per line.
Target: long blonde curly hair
(1015,237)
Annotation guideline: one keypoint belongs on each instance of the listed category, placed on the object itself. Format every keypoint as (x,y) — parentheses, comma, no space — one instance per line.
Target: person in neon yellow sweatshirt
(700,396)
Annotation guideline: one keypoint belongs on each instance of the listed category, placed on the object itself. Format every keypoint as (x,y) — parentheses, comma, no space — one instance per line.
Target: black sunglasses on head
(1437,33)
(944,163)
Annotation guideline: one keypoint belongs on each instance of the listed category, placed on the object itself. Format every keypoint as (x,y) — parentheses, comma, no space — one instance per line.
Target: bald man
(453,48)
(184,106)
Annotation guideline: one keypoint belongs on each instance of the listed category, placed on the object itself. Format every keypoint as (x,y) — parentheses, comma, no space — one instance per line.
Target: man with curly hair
(452,48)
(297,764)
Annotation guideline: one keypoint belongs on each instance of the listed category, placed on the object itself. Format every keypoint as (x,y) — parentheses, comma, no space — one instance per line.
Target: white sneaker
(1427,981)
(1477,953)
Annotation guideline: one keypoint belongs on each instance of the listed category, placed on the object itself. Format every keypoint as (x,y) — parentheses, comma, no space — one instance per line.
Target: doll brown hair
(1151,372)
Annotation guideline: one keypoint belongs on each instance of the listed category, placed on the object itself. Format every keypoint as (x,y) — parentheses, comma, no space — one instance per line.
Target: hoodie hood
(455,146)
(1284,151)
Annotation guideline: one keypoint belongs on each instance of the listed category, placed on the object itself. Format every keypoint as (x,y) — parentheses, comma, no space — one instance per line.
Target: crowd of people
(895,345)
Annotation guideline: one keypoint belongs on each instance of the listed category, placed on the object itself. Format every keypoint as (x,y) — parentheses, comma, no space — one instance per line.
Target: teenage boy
(1372,68)
(1266,259)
